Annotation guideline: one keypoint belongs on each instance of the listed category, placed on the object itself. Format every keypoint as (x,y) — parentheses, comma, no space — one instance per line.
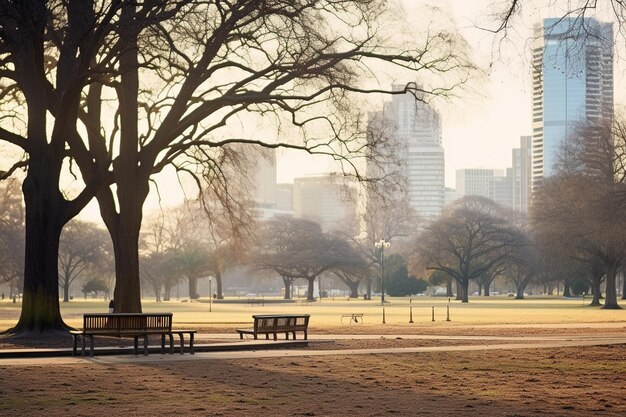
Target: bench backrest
(281,322)
(127,322)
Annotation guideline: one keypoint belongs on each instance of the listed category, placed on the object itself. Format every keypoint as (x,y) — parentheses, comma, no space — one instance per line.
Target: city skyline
(494,116)
(491,118)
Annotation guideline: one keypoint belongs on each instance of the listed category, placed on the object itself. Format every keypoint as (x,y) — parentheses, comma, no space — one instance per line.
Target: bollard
(384,315)
(411,314)
(448,314)
(433,313)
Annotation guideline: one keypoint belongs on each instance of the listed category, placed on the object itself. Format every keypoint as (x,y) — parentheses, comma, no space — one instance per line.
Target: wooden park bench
(277,323)
(355,318)
(133,325)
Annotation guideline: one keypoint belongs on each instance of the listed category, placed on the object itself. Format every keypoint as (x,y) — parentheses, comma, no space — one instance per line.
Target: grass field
(493,310)
(568,381)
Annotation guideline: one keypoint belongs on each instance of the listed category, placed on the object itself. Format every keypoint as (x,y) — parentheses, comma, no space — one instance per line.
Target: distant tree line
(574,236)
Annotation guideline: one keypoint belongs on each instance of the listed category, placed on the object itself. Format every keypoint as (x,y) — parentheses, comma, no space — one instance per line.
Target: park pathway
(534,342)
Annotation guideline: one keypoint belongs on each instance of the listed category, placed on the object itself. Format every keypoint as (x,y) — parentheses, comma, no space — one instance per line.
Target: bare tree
(158,269)
(299,249)
(83,245)
(387,216)
(585,201)
(522,267)
(181,74)
(48,55)
(467,241)
(210,64)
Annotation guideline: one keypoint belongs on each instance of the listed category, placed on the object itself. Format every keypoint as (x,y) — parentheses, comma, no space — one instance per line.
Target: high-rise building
(521,174)
(416,131)
(265,180)
(489,183)
(328,199)
(572,68)
(269,198)
(477,181)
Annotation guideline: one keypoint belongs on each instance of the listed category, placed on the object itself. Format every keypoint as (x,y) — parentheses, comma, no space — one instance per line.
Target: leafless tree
(130,88)
(83,245)
(299,249)
(467,241)
(585,201)
(212,64)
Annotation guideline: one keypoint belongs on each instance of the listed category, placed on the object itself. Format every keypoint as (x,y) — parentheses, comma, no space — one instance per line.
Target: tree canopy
(122,90)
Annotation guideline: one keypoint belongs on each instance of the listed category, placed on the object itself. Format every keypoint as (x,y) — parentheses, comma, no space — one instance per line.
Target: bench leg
(286,335)
(136,344)
(171,344)
(241,335)
(275,336)
(294,335)
(182,342)
(83,345)
(305,335)
(191,352)
(145,345)
(75,344)
(162,344)
(91,345)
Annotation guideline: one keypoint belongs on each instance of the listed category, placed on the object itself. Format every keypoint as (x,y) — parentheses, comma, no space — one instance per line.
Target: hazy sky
(480,129)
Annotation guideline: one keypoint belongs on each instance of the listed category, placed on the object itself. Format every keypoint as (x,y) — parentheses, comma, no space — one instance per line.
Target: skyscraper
(572,83)
(521,174)
(416,129)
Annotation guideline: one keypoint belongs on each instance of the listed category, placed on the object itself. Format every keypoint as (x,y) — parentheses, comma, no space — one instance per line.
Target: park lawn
(326,316)
(572,382)
(479,311)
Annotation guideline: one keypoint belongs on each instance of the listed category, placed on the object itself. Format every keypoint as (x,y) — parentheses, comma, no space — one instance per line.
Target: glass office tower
(572,83)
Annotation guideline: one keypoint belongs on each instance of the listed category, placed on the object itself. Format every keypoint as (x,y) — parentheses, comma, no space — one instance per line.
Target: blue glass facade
(572,79)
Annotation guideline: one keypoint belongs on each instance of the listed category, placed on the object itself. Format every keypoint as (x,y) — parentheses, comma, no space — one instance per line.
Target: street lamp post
(382,244)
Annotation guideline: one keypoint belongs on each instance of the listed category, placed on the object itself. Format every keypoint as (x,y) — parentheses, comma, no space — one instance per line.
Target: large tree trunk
(486,286)
(459,291)
(449,292)
(354,288)
(131,177)
(125,237)
(462,288)
(219,285)
(567,289)
(287,281)
(44,222)
(596,280)
(310,296)
(66,293)
(521,286)
(193,288)
(610,301)
(369,288)
(623,286)
(167,292)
